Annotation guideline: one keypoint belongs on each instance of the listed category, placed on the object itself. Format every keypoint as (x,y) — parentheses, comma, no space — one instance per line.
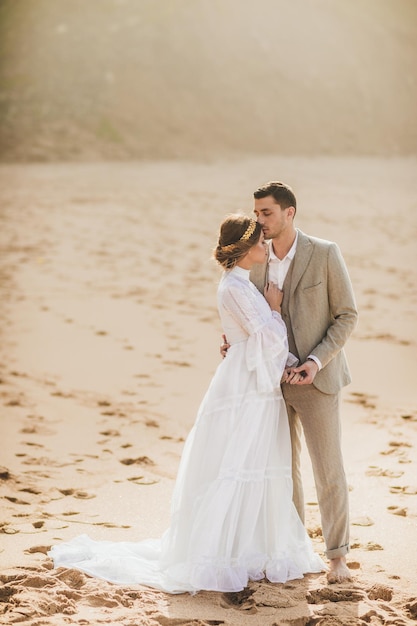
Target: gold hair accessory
(249,231)
(246,235)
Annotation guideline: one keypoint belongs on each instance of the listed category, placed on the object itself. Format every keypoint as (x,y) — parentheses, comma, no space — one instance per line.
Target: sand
(109,337)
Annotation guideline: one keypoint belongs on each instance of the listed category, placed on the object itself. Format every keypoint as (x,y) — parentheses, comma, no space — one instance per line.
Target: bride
(233,519)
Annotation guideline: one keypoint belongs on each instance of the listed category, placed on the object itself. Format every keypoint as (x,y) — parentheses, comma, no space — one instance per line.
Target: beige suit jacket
(321,307)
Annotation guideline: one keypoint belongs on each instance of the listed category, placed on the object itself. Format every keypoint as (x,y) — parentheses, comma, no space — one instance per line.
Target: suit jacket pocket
(311,288)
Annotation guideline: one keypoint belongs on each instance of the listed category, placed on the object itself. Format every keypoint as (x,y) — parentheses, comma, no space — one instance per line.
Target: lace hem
(234,574)
(140,563)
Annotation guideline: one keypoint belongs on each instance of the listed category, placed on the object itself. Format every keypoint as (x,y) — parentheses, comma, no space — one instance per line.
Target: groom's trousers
(318,415)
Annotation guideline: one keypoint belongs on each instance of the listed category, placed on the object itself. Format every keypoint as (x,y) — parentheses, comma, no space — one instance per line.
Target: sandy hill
(120,79)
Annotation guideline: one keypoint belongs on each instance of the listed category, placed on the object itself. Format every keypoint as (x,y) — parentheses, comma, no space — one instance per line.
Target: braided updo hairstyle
(238,233)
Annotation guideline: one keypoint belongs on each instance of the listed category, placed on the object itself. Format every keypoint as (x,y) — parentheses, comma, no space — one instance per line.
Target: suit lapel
(301,259)
(259,272)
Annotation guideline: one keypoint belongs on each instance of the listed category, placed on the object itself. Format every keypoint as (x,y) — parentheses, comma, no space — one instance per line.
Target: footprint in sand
(62,603)
(32,443)
(103,403)
(411,607)
(36,581)
(140,480)
(38,549)
(363,399)
(170,621)
(62,394)
(81,495)
(106,600)
(370,546)
(275,596)
(152,423)
(6,593)
(15,500)
(330,594)
(42,461)
(177,363)
(380,592)
(315,533)
(14,402)
(398,510)
(374,470)
(32,490)
(8,530)
(37,428)
(72,578)
(400,444)
(4,473)
(397,448)
(142,460)
(386,337)
(240,600)
(410,491)
(18,374)
(110,433)
(385,593)
(409,417)
(68,514)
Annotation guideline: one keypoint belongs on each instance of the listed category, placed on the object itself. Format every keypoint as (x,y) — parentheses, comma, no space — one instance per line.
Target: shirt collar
(290,254)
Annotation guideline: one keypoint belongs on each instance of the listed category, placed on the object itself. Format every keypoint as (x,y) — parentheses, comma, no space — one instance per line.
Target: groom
(320,313)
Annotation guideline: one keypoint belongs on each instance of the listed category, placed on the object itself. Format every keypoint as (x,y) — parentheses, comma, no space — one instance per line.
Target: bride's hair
(238,233)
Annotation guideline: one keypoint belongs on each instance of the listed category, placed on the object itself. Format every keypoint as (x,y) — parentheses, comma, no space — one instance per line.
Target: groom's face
(271,217)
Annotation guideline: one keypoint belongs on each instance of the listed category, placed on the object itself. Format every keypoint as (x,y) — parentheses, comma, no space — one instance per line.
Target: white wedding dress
(233,519)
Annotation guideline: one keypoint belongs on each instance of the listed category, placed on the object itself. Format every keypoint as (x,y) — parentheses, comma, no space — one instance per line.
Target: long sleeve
(246,316)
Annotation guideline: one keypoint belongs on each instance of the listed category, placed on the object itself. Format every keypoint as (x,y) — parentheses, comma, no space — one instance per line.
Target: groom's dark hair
(282,194)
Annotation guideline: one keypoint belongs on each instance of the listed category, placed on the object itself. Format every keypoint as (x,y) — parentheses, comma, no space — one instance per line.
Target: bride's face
(259,251)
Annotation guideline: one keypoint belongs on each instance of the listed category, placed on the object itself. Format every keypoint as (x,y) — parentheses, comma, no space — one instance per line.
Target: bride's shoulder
(235,288)
(233,279)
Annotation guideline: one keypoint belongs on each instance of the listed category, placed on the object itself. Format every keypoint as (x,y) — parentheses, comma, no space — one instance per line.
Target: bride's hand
(224,346)
(273,295)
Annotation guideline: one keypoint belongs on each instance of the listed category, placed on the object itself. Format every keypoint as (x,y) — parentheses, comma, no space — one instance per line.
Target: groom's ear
(291,211)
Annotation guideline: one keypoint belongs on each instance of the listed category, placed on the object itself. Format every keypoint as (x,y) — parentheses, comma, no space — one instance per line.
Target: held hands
(273,295)
(302,375)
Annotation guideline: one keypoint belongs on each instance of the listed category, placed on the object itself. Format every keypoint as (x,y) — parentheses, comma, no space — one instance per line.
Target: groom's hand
(224,346)
(304,374)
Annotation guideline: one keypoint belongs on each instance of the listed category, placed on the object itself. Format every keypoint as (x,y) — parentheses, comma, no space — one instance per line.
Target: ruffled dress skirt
(233,519)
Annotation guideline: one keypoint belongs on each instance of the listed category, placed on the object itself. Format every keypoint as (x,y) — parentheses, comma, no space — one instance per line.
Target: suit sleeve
(342,307)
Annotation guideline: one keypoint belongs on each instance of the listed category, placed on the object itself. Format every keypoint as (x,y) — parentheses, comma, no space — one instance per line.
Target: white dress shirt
(277,272)
(278,268)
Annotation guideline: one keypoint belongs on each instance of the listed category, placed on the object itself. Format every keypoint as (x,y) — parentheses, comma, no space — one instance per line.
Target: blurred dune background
(135,79)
